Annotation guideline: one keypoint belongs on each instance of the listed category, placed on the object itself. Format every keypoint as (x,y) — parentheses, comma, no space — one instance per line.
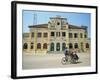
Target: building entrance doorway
(52,47)
(58,47)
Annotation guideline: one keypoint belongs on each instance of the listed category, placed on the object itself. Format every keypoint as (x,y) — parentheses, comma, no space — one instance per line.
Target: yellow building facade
(54,36)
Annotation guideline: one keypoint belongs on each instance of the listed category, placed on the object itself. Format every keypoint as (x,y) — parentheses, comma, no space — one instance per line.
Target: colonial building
(55,36)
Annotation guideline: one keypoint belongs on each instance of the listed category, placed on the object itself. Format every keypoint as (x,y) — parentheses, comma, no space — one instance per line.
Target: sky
(42,17)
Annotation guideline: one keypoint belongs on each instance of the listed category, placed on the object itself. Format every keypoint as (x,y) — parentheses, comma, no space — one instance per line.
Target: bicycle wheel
(73,61)
(64,60)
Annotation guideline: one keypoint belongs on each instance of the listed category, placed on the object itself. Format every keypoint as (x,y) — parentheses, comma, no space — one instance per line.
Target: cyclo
(71,58)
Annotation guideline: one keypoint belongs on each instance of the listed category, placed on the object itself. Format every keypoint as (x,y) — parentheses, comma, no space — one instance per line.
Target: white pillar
(49,46)
(54,46)
(61,46)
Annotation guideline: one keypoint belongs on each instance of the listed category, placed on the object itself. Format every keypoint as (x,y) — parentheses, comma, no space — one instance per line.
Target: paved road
(52,61)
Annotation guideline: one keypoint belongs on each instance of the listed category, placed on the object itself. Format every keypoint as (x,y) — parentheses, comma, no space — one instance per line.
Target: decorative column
(54,46)
(67,38)
(61,46)
(42,41)
(49,42)
(29,42)
(79,43)
(35,42)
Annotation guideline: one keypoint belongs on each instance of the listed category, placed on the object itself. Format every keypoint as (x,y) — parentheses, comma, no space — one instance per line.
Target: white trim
(21,72)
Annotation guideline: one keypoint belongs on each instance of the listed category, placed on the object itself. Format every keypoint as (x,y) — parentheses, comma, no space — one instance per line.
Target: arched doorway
(58,47)
(25,46)
(45,46)
(63,46)
(39,46)
(52,47)
(87,45)
(76,45)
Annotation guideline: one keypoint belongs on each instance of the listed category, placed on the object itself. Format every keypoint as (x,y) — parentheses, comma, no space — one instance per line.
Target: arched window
(32,45)
(52,47)
(76,45)
(70,45)
(45,46)
(63,46)
(25,46)
(39,46)
(87,45)
(58,47)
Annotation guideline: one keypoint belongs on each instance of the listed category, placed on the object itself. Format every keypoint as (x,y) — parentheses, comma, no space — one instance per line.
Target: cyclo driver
(66,53)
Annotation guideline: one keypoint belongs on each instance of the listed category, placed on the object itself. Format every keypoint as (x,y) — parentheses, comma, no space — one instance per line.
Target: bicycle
(69,59)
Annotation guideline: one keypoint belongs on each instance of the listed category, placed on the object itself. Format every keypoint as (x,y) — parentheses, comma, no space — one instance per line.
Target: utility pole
(35,37)
(34,19)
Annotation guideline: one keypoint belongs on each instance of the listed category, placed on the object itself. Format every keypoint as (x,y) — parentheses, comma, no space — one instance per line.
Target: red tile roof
(75,27)
(39,26)
(46,26)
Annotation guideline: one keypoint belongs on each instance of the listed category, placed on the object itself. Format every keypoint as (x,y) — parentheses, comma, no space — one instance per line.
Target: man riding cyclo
(66,53)
(74,57)
(71,55)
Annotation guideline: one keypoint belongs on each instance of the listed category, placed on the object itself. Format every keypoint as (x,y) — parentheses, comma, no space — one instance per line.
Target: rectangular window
(63,34)
(58,34)
(45,35)
(39,34)
(52,34)
(75,35)
(81,35)
(32,35)
(70,35)
(32,45)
